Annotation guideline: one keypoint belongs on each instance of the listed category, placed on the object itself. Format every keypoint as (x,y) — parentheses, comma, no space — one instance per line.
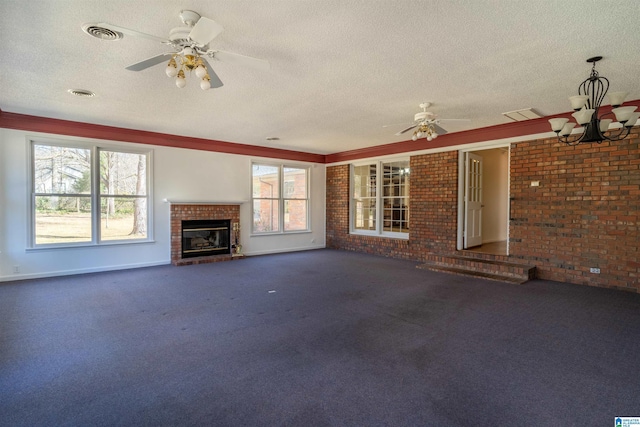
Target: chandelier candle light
(587,104)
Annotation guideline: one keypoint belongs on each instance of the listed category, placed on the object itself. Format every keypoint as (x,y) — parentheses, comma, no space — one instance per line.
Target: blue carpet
(318,338)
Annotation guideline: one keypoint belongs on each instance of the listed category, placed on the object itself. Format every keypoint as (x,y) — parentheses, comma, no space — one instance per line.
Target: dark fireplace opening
(205,237)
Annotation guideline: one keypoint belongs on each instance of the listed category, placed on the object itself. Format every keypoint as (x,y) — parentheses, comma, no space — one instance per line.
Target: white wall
(179,175)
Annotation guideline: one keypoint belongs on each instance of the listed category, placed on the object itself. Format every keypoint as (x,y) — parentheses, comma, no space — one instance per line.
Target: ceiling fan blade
(205,30)
(439,130)
(395,125)
(214,79)
(455,120)
(133,33)
(407,129)
(248,61)
(154,60)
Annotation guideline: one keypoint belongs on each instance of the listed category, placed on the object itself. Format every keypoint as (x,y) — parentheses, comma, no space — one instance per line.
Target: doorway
(483,200)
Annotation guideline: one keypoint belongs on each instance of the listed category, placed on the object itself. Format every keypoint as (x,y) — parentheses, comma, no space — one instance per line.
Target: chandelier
(188,60)
(425,129)
(587,104)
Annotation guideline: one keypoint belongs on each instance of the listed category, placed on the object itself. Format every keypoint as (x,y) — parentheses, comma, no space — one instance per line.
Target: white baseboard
(278,251)
(80,271)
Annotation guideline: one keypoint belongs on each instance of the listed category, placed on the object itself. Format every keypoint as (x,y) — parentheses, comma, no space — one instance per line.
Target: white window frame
(379,230)
(282,198)
(94,196)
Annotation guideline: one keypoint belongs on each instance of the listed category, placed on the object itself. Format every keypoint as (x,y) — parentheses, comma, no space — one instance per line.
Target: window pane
(62,219)
(395,195)
(295,215)
(364,214)
(364,181)
(266,181)
(123,218)
(396,215)
(295,183)
(61,170)
(123,173)
(265,215)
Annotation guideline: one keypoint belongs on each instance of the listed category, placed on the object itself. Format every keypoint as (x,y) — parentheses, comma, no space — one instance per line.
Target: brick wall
(584,214)
(433,188)
(180,212)
(433,203)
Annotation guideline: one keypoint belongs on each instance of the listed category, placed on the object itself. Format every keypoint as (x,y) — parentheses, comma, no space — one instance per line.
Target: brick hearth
(180,212)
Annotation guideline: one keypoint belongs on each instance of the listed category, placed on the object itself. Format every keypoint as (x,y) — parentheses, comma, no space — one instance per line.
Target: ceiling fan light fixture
(201,71)
(172,68)
(180,80)
(205,84)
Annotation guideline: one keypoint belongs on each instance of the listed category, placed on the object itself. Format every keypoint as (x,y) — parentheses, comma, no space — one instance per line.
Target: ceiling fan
(427,124)
(189,47)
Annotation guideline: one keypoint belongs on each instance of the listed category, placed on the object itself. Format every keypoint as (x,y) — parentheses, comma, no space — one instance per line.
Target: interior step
(494,269)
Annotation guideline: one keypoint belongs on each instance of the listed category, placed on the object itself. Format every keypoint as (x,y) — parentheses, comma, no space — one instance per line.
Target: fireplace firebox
(205,237)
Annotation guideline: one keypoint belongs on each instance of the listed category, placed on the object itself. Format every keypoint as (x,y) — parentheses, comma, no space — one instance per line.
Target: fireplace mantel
(204,202)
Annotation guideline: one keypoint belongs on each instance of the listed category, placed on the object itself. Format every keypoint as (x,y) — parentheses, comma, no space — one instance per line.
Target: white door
(473,201)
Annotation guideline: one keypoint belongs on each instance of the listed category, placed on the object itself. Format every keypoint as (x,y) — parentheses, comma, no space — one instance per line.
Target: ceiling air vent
(82,93)
(522,115)
(101,33)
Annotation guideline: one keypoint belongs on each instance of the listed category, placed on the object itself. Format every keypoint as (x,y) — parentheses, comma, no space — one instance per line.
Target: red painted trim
(507,130)
(88,130)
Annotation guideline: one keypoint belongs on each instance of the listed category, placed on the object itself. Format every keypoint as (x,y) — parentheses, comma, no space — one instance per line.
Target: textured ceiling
(340,69)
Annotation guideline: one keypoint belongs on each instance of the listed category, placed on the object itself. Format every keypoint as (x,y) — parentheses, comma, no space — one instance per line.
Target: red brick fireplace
(200,211)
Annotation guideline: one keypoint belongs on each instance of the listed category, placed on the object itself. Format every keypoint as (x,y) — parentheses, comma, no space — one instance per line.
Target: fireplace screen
(205,237)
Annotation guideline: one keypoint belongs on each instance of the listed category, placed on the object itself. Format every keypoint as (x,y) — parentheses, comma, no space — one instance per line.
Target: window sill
(87,245)
(281,233)
(398,236)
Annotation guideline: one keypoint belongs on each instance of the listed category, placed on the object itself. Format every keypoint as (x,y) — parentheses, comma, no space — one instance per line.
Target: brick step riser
(472,273)
(506,269)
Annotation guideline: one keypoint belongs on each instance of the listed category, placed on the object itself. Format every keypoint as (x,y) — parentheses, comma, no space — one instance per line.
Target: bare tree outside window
(123,195)
(65,205)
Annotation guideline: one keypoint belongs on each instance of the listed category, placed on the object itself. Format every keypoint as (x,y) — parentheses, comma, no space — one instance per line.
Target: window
(380,190)
(88,195)
(280,198)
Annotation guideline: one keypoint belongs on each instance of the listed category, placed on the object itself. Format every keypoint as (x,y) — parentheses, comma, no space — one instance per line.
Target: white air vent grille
(101,33)
(522,115)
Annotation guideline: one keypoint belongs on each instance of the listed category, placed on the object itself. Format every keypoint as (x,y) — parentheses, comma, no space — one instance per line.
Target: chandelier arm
(599,94)
(567,141)
(621,134)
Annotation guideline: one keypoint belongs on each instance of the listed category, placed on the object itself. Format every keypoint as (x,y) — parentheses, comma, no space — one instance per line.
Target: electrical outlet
(16,269)
(594,270)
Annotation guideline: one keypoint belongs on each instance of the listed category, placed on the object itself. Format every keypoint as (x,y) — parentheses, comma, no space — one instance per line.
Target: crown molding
(87,130)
